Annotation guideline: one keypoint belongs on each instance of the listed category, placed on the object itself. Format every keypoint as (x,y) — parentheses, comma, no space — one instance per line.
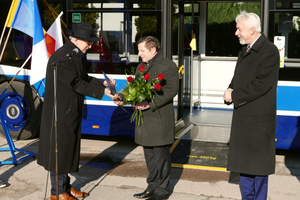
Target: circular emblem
(12,111)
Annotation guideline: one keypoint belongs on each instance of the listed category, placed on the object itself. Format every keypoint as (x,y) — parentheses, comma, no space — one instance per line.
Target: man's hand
(112,81)
(227,95)
(118,100)
(142,106)
(108,93)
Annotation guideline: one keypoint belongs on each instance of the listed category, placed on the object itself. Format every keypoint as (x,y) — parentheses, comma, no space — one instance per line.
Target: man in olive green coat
(156,134)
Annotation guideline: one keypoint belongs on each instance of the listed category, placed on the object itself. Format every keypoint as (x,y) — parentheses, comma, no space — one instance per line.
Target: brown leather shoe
(64,196)
(78,194)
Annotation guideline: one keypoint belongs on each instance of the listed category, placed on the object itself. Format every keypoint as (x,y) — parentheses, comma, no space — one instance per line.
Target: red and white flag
(53,37)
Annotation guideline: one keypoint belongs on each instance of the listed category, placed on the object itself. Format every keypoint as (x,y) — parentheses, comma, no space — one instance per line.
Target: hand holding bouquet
(138,90)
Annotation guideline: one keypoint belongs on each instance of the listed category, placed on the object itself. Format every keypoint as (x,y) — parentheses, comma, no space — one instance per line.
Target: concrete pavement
(105,181)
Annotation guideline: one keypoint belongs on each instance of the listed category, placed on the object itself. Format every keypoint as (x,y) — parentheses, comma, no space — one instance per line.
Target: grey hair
(72,38)
(252,20)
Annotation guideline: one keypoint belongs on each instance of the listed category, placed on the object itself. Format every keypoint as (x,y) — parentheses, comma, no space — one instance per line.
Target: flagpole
(4,46)
(2,35)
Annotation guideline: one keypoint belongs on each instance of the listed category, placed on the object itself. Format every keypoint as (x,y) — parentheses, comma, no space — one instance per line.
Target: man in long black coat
(253,93)
(157,132)
(73,83)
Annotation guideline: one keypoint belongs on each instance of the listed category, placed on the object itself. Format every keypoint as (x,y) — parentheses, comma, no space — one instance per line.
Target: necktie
(248,47)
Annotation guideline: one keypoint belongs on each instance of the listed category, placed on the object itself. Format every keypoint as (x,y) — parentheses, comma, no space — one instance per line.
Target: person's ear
(253,31)
(153,49)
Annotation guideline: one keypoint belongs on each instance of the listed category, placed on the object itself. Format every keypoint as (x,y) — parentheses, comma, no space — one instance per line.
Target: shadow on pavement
(291,161)
(94,166)
(32,147)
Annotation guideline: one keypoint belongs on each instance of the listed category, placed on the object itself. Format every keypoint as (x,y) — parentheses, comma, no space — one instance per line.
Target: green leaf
(132,91)
(130,98)
(141,98)
(147,96)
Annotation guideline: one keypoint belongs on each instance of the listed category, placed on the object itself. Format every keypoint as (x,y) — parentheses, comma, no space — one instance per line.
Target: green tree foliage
(48,16)
(148,23)
(188,9)
(87,17)
(226,12)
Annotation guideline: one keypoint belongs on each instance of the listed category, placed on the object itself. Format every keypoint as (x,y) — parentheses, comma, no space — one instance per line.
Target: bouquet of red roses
(139,89)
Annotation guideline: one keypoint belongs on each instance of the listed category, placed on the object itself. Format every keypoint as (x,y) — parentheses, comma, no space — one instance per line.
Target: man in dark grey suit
(253,93)
(156,134)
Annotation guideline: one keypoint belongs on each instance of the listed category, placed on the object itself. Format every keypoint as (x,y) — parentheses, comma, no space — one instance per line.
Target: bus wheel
(21,108)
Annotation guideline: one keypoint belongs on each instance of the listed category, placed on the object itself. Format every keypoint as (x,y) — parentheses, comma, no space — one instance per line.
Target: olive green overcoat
(159,121)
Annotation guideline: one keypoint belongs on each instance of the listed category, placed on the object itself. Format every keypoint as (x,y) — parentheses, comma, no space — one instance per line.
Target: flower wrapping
(138,90)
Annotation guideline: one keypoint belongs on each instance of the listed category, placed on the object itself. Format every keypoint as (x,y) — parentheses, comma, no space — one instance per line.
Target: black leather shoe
(158,197)
(144,194)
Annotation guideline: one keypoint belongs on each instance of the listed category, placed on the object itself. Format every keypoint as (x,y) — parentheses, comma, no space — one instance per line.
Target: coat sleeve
(68,74)
(169,88)
(231,85)
(267,73)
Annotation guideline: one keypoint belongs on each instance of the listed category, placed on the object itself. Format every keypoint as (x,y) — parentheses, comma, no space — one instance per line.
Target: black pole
(54,67)
(55,133)
(180,59)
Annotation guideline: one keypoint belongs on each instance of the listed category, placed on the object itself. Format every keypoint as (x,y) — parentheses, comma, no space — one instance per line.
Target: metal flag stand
(11,146)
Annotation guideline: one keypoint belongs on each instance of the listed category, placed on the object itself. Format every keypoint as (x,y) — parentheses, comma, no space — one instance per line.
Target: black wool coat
(254,84)
(73,83)
(159,120)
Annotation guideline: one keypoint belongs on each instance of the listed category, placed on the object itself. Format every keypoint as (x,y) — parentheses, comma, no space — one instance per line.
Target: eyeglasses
(88,42)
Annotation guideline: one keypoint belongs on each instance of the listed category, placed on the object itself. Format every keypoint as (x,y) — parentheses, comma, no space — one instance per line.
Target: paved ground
(115,169)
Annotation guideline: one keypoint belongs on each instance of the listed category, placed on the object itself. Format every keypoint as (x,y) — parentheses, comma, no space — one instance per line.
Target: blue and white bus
(119,24)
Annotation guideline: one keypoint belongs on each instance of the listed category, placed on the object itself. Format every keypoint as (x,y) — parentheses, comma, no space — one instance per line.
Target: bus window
(221,26)
(118,29)
(18,48)
(286,24)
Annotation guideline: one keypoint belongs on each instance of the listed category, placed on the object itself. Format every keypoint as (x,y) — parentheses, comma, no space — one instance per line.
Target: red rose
(146,77)
(160,77)
(142,68)
(129,79)
(157,86)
